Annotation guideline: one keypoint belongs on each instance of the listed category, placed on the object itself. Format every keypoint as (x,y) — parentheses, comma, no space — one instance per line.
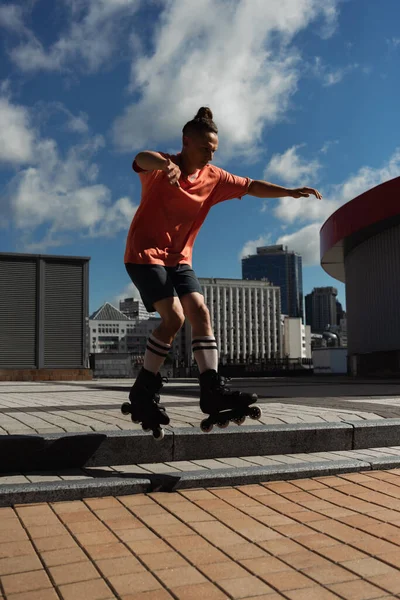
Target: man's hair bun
(204,113)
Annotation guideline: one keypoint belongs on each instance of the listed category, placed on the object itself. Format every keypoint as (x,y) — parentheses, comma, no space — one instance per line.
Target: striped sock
(205,351)
(156,353)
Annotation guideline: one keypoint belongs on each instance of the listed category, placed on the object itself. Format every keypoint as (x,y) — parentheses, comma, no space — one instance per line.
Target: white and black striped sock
(205,351)
(156,353)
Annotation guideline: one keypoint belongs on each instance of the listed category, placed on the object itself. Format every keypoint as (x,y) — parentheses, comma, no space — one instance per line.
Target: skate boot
(223,404)
(144,406)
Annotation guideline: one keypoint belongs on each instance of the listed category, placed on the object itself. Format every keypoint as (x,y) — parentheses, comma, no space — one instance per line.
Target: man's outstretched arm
(264,189)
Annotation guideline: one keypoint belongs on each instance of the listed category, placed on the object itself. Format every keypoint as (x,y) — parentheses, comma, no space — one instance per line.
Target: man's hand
(173,172)
(305,192)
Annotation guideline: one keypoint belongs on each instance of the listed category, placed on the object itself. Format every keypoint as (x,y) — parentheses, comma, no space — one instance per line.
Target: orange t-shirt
(168,219)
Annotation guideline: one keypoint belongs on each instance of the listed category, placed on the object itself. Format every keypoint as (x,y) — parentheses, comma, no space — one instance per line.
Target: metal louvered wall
(43,311)
(18,291)
(373,292)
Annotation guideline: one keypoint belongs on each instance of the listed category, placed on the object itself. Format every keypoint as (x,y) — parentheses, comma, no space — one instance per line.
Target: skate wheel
(223,424)
(239,420)
(206,427)
(255,413)
(158,434)
(126,408)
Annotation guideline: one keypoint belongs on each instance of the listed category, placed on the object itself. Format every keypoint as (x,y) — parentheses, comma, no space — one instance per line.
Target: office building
(283,269)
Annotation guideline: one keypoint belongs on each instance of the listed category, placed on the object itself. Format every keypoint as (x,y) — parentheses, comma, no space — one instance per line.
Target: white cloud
(305,241)
(55,191)
(290,167)
(235,57)
(93,33)
(251,246)
(59,192)
(130,291)
(328,145)
(314,212)
(11,17)
(393,42)
(17,136)
(330,76)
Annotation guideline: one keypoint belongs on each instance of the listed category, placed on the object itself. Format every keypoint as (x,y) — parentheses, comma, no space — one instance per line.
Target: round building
(360,246)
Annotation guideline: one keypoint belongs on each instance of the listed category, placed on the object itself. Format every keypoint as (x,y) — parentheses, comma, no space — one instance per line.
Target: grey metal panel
(373,293)
(17,313)
(64,313)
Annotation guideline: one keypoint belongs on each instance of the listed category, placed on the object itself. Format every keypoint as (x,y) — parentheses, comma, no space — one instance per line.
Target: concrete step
(120,480)
(27,452)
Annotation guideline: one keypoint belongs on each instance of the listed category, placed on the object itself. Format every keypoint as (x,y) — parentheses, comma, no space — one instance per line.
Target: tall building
(321,309)
(340,313)
(282,268)
(134,309)
(296,339)
(246,318)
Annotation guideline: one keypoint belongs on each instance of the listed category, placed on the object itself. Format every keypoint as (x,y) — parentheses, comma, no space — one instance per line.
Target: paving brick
(57,542)
(199,591)
(95,589)
(114,550)
(12,535)
(20,564)
(19,548)
(119,566)
(306,559)
(141,547)
(282,546)
(25,582)
(311,593)
(152,595)
(340,553)
(173,578)
(389,581)
(329,575)
(64,556)
(287,580)
(46,531)
(95,538)
(135,582)
(137,534)
(368,567)
(47,594)
(357,590)
(265,564)
(244,587)
(164,560)
(73,572)
(224,570)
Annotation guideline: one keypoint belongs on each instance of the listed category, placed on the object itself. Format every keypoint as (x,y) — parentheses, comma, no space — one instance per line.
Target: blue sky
(304,92)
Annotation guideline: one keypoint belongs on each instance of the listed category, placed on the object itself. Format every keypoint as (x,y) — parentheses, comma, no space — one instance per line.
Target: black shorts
(156,282)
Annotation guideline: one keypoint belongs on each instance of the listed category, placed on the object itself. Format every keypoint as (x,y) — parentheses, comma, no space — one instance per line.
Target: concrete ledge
(261,440)
(59,491)
(117,486)
(52,451)
(376,434)
(132,447)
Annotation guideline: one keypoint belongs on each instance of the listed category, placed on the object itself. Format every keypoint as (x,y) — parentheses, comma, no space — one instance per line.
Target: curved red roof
(373,206)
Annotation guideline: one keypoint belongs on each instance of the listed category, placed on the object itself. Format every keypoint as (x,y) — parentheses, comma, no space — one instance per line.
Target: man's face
(200,148)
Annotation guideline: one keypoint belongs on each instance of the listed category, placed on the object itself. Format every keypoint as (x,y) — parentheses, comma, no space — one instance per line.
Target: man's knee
(202,314)
(174,320)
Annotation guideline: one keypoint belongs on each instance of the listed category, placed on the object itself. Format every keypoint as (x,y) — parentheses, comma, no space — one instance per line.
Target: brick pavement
(27,407)
(311,539)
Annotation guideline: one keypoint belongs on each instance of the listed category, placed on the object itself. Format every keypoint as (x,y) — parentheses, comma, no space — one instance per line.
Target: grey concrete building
(321,308)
